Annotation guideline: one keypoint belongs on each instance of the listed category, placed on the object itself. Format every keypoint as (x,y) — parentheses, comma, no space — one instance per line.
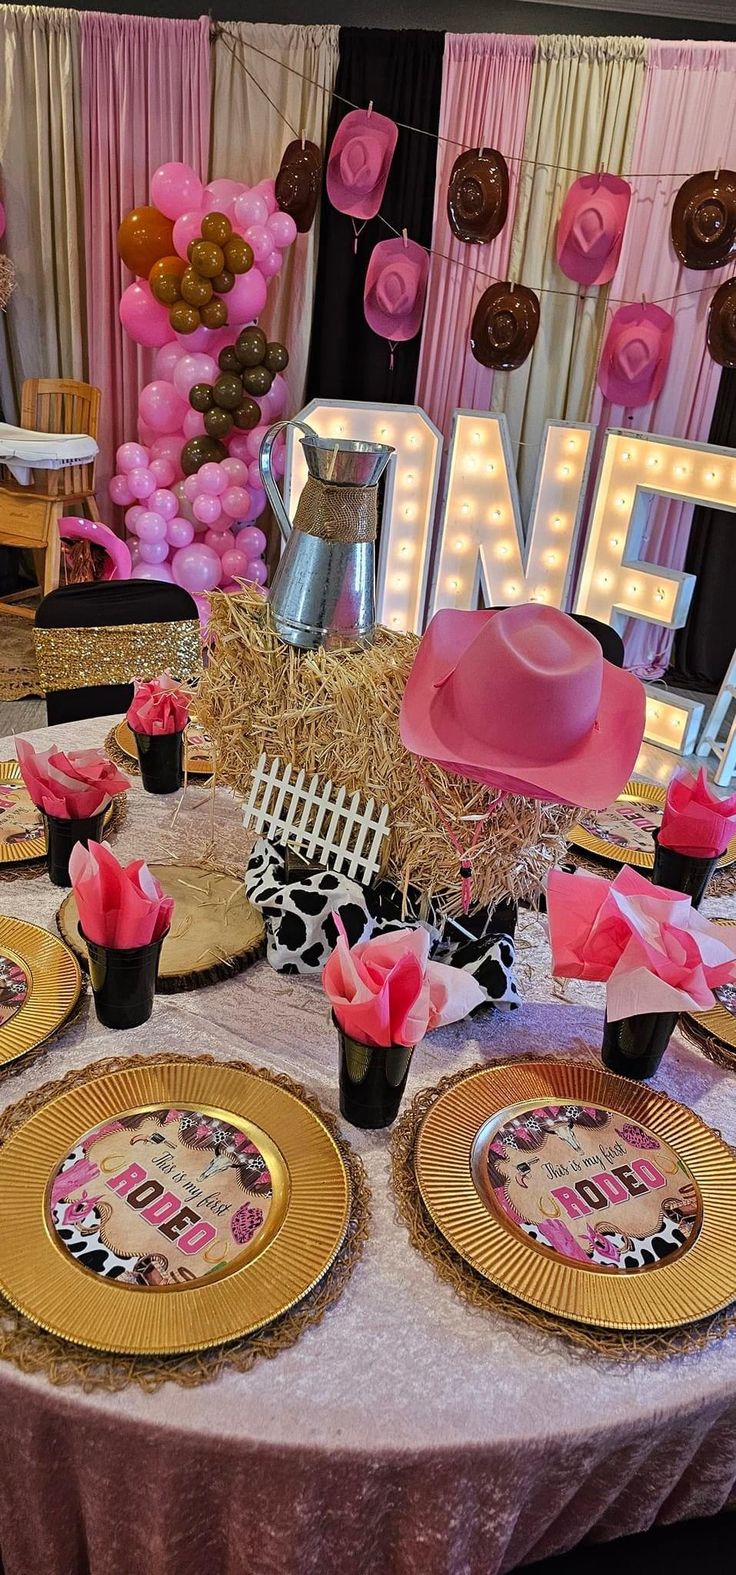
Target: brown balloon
(228,391)
(224,282)
(214,314)
(200,451)
(165,278)
(276,357)
(216,227)
(206,257)
(194,289)
(228,361)
(218,423)
(184,319)
(247,415)
(238,255)
(257,380)
(250,346)
(144,237)
(201,396)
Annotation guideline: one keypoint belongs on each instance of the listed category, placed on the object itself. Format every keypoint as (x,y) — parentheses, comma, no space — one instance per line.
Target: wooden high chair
(28,515)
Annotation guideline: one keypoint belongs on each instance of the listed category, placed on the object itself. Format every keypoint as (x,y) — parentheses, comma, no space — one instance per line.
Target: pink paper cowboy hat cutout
(359,162)
(636,355)
(395,289)
(591,228)
(522,699)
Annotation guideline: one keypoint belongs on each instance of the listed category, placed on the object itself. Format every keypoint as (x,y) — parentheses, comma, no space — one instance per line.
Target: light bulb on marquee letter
(481,552)
(409,494)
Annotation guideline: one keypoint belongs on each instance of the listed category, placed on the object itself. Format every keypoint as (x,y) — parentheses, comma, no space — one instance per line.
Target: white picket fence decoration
(288,811)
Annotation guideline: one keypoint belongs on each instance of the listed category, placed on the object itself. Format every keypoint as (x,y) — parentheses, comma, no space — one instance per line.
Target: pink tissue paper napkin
(160,706)
(118,905)
(385,991)
(653,950)
(694,820)
(72,784)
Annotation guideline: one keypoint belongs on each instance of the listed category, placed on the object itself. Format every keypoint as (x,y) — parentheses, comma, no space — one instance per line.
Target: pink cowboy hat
(359,162)
(636,355)
(395,288)
(591,228)
(522,699)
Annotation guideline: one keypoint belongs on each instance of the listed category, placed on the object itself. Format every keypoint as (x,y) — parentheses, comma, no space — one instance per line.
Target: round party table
(405,1433)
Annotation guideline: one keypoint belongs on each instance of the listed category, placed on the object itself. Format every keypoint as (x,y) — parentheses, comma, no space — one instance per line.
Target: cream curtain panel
(43,332)
(583,108)
(249,136)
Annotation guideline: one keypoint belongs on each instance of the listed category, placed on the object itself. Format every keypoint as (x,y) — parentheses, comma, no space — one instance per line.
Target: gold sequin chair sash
(117,653)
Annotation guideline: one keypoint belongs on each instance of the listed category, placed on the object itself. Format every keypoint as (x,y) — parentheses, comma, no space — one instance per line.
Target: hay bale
(337,713)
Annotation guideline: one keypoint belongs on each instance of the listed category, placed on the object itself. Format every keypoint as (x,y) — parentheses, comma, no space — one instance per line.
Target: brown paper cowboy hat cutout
(504,326)
(721,333)
(298,183)
(478,195)
(704,219)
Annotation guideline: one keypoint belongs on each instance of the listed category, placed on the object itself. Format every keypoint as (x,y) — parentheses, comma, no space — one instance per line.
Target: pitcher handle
(269,480)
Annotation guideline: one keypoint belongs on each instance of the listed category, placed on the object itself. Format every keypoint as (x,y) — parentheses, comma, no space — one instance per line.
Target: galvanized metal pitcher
(323,591)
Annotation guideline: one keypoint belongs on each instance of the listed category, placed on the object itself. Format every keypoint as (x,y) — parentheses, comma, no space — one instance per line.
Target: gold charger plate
(215,930)
(22,834)
(583,1194)
(623,832)
(40,984)
(198,753)
(168,1208)
(720,1022)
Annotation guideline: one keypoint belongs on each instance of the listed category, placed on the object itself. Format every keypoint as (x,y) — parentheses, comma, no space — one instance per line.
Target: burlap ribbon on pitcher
(334,513)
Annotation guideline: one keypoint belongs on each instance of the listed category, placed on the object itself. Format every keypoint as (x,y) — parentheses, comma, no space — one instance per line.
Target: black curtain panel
(703,649)
(402,74)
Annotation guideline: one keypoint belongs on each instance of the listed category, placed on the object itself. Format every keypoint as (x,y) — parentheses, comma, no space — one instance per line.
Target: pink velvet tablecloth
(407,1434)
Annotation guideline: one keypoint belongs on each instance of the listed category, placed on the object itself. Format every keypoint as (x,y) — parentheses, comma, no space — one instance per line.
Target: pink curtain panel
(145,101)
(686,123)
(485,95)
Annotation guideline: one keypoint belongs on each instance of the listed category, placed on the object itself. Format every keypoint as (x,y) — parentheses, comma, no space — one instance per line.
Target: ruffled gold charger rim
(33,1350)
(479,1293)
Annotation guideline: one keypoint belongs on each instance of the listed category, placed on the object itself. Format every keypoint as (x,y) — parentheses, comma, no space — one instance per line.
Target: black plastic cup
(161,759)
(62,835)
(634,1046)
(372,1080)
(123,981)
(681,872)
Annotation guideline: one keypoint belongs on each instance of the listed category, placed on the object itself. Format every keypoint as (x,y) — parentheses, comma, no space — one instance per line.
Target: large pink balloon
(151,571)
(73,528)
(131,456)
(221,541)
(211,479)
(154,551)
(142,482)
(120,492)
(247,298)
(282,229)
(163,502)
(235,470)
(166,358)
(161,407)
(144,319)
(179,532)
(188,226)
(196,567)
(164,470)
(220,193)
(176,189)
(151,527)
(206,509)
(250,208)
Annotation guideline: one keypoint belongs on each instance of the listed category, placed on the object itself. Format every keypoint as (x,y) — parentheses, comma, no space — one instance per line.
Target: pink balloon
(151,571)
(251,541)
(282,229)
(144,319)
(73,528)
(235,502)
(254,440)
(250,208)
(238,449)
(164,471)
(193,424)
(221,192)
(132,517)
(164,503)
(166,358)
(186,372)
(142,482)
(203,608)
(161,407)
(176,189)
(150,527)
(235,470)
(120,492)
(220,541)
(207,509)
(207,369)
(188,226)
(279,394)
(278,461)
(211,479)
(271,265)
(196,567)
(254,474)
(131,456)
(146,434)
(267,408)
(190,487)
(210,341)
(168,447)
(179,532)
(247,298)
(154,551)
(267,190)
(256,571)
(135,553)
(259,239)
(257,502)
(235,564)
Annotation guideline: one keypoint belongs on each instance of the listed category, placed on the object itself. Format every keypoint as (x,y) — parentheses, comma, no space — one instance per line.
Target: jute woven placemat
(721,884)
(480,1293)
(35,1351)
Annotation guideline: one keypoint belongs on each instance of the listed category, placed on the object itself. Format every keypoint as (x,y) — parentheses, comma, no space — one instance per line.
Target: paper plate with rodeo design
(624,833)
(578,1192)
(168,1208)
